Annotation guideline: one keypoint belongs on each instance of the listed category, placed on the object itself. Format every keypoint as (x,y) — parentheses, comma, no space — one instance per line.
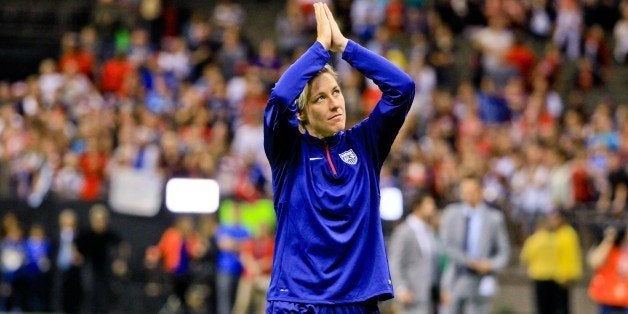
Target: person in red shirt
(178,245)
(609,261)
(74,54)
(92,164)
(521,57)
(114,73)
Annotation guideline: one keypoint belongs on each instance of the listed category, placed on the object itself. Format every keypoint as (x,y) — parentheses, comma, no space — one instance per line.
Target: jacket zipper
(331,164)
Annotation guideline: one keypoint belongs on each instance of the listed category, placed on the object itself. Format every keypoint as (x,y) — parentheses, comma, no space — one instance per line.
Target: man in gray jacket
(414,257)
(476,243)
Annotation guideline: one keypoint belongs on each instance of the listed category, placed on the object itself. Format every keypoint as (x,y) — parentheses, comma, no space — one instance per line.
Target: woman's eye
(320,98)
(336,92)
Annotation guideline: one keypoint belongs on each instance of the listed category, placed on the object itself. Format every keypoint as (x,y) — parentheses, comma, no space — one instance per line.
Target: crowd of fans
(501,90)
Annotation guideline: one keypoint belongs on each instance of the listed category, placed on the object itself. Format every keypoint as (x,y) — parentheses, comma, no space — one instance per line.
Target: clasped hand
(327,30)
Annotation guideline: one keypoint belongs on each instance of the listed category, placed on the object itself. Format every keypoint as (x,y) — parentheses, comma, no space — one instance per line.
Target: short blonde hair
(305,93)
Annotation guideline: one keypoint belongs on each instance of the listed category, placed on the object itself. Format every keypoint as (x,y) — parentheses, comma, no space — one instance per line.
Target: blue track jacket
(329,244)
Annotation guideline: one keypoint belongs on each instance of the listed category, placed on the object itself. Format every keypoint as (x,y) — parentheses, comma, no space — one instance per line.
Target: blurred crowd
(502,93)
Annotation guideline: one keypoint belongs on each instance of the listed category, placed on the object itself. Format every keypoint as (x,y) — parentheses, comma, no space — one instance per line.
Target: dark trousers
(100,299)
(180,285)
(36,292)
(67,293)
(71,290)
(562,294)
(607,309)
(551,297)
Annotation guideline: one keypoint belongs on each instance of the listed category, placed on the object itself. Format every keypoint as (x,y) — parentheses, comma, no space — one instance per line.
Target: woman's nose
(334,103)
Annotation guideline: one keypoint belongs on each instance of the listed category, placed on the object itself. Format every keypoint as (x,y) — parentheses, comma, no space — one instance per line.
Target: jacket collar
(331,141)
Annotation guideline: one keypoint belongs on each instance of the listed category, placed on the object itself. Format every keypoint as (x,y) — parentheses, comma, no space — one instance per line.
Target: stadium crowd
(502,92)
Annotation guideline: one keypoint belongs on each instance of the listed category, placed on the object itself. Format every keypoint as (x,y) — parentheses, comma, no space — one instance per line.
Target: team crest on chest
(349,157)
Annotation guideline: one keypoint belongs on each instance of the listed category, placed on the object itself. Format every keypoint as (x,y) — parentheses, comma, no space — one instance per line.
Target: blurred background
(103,102)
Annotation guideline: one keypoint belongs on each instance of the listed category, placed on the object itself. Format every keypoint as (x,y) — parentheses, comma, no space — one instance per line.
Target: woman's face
(324,111)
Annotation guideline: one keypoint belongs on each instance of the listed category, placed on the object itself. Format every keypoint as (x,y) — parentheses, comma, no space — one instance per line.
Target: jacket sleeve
(383,124)
(397,260)
(451,250)
(529,249)
(280,122)
(570,261)
(502,254)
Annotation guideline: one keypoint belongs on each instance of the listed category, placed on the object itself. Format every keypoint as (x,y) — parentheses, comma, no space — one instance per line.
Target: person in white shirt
(620,33)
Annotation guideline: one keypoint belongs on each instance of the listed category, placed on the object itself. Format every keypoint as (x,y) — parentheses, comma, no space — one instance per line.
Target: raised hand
(338,41)
(323,26)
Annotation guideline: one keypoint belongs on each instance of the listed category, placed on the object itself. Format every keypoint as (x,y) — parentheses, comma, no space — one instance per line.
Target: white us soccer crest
(349,157)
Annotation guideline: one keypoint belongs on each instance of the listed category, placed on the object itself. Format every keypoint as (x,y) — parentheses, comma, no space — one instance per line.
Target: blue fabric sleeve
(280,123)
(381,127)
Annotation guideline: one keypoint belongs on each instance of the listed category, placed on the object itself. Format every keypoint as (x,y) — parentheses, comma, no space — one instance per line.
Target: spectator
(609,261)
(550,64)
(530,187)
(569,259)
(207,228)
(597,55)
(108,18)
(114,72)
(494,42)
(12,289)
(414,254)
(68,180)
(620,33)
(37,270)
(229,267)
(539,256)
(521,57)
(366,15)
(228,15)
(92,164)
(257,260)
(425,77)
(198,37)
(268,63)
(177,247)
(583,187)
(492,107)
(67,264)
(395,17)
(233,54)
(290,29)
(560,180)
(568,30)
(541,19)
(614,195)
(175,58)
(98,245)
(50,82)
(74,56)
(475,240)
(139,48)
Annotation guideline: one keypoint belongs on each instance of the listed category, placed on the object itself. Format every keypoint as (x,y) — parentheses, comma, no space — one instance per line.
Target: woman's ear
(301,117)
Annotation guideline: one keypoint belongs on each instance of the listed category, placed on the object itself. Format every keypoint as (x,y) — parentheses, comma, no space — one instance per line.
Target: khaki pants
(251,295)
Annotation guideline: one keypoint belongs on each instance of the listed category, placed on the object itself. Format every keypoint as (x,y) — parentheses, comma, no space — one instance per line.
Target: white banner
(191,195)
(135,192)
